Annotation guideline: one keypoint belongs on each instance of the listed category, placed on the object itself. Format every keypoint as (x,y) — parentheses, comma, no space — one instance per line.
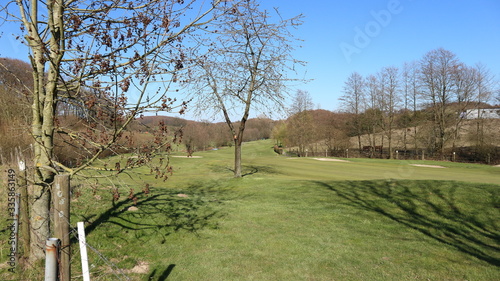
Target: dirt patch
(427,166)
(141,268)
(331,159)
(133,209)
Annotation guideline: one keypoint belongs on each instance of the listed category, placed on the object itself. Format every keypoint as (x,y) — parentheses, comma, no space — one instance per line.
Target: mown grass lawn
(296,219)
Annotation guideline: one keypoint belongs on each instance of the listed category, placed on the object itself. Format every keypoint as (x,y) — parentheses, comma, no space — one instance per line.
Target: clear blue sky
(470,29)
(397,32)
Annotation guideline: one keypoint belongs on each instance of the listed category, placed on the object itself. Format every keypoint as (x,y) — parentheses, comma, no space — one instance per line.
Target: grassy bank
(294,219)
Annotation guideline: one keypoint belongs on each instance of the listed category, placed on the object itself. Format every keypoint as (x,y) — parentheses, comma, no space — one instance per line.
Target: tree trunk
(405,138)
(45,92)
(237,158)
(415,140)
(389,138)
(39,222)
(43,132)
(40,193)
(359,142)
(373,141)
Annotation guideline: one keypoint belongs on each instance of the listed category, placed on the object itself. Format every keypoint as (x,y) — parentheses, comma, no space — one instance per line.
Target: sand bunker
(428,166)
(331,159)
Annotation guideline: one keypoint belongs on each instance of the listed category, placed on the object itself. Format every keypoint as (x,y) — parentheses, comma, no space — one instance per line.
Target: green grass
(296,219)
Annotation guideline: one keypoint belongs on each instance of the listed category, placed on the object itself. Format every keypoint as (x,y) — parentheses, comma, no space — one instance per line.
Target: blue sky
(394,32)
(470,29)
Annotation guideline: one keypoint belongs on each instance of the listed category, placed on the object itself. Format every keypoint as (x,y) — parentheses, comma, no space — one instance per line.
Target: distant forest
(390,112)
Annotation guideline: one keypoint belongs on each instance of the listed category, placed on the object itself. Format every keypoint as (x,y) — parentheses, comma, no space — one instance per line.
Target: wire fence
(489,155)
(102,267)
(112,270)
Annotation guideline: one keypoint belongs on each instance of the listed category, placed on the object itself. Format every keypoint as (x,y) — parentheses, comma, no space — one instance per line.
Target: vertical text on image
(11,204)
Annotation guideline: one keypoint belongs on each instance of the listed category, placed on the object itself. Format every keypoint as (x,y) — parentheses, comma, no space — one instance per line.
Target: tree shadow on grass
(247,170)
(163,276)
(464,216)
(254,169)
(146,219)
(159,212)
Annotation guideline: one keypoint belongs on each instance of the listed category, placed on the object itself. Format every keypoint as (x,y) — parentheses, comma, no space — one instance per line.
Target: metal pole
(62,222)
(83,251)
(51,249)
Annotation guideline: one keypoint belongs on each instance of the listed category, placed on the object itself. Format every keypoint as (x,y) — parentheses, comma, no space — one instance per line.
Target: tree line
(77,114)
(428,97)
(420,106)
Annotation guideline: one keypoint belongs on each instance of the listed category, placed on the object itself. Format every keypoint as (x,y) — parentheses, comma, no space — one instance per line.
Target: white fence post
(83,251)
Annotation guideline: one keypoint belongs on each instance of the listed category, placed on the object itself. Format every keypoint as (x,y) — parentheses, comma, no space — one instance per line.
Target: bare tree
(301,101)
(389,100)
(247,66)
(353,101)
(331,130)
(300,124)
(436,77)
(372,116)
(411,99)
(465,80)
(484,89)
(112,49)
(300,131)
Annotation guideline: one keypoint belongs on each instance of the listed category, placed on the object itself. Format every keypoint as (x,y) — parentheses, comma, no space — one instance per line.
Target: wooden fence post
(62,223)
